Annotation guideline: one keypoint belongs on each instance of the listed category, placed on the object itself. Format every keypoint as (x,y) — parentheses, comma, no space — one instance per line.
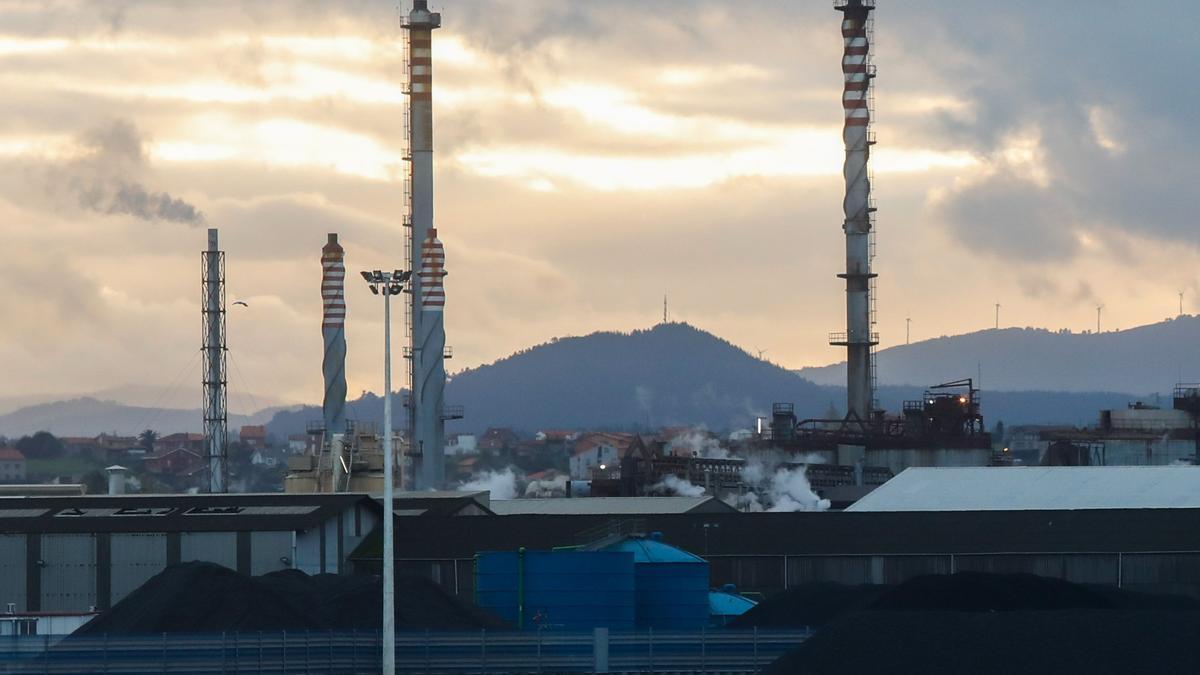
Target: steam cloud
(776,488)
(500,484)
(542,489)
(105,180)
(697,443)
(674,485)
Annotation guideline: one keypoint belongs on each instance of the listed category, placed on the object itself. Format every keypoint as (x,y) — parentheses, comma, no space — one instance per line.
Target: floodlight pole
(389,581)
(388,284)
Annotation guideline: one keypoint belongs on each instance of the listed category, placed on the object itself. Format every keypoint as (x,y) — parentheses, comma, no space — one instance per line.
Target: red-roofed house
(12,465)
(600,449)
(254,435)
(177,462)
(193,442)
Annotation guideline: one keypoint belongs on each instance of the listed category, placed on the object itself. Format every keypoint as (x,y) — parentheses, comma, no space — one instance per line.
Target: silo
(671,584)
(566,590)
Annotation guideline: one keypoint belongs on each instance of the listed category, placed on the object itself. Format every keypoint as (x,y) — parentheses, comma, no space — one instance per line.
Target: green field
(61,466)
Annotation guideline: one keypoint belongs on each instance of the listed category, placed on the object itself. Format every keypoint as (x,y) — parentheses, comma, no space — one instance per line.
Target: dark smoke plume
(105,180)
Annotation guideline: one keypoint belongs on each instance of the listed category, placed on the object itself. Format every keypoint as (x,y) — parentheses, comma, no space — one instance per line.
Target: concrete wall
(900,459)
(1175,573)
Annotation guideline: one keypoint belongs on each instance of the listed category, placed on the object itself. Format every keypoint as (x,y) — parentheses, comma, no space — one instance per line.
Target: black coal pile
(809,605)
(201,597)
(983,623)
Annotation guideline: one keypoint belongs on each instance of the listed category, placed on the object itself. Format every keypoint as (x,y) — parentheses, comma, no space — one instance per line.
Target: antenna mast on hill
(664,307)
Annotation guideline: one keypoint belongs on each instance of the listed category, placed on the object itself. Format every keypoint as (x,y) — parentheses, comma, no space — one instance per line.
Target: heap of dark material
(984,623)
(202,597)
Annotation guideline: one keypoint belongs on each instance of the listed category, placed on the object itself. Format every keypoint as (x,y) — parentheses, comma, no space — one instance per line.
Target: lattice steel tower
(212,309)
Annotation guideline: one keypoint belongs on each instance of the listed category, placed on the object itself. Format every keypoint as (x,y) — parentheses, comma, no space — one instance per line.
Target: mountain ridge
(1144,359)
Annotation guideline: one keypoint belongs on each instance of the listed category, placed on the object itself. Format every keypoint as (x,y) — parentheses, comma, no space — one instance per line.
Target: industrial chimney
(333,365)
(427,346)
(859,338)
(212,283)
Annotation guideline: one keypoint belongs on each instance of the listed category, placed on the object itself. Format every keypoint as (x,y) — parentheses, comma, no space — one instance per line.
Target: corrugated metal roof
(602,505)
(1048,488)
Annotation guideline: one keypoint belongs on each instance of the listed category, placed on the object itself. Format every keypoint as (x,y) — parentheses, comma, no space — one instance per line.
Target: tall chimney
(427,344)
(216,423)
(333,365)
(859,339)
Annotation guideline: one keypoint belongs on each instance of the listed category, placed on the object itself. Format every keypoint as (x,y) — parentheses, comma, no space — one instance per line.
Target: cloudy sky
(591,156)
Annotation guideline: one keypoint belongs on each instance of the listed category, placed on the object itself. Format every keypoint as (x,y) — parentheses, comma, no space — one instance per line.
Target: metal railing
(646,651)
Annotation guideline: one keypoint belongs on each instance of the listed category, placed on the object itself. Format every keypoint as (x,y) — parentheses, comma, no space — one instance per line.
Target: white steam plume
(697,443)
(777,487)
(674,485)
(541,489)
(501,484)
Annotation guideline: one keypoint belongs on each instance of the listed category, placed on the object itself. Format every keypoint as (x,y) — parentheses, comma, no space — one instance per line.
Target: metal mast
(216,423)
(859,338)
(427,336)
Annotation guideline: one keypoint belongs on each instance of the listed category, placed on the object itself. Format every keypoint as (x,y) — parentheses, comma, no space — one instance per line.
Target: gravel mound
(199,597)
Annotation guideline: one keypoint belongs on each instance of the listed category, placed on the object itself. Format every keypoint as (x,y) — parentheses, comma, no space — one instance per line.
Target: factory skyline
(592,192)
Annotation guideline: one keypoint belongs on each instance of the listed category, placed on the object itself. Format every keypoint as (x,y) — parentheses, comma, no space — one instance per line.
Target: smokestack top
(421,18)
(212,239)
(332,246)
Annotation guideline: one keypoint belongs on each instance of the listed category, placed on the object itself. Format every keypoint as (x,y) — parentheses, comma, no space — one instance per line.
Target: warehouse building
(1045,488)
(1145,549)
(72,553)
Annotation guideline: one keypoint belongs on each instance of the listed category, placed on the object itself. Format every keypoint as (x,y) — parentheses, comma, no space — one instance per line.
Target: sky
(590,158)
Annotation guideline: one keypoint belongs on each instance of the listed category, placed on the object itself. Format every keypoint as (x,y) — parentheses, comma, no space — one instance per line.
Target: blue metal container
(672,584)
(568,590)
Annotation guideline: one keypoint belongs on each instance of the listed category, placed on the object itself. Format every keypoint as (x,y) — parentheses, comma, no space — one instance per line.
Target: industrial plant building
(1141,434)
(80,552)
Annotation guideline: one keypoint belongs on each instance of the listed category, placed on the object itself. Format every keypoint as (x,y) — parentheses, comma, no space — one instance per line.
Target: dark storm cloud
(1008,216)
(1054,67)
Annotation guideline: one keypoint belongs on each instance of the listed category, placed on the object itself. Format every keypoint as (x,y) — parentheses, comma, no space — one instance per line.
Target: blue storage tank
(727,604)
(569,590)
(672,584)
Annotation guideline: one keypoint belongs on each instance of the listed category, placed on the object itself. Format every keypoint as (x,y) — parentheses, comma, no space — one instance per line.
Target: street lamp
(388,284)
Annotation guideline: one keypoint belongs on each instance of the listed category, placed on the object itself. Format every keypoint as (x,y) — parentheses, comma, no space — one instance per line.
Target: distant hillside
(89,416)
(672,374)
(1145,359)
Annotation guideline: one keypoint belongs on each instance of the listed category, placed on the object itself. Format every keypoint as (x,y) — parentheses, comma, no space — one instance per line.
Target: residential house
(498,438)
(177,462)
(461,444)
(300,444)
(264,457)
(253,435)
(601,451)
(12,465)
(187,441)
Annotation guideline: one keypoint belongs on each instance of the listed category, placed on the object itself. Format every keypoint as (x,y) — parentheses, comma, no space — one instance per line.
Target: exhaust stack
(859,338)
(333,365)
(427,337)
(216,423)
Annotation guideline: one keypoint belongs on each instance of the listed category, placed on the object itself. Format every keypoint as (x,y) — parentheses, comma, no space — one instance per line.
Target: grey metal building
(78,552)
